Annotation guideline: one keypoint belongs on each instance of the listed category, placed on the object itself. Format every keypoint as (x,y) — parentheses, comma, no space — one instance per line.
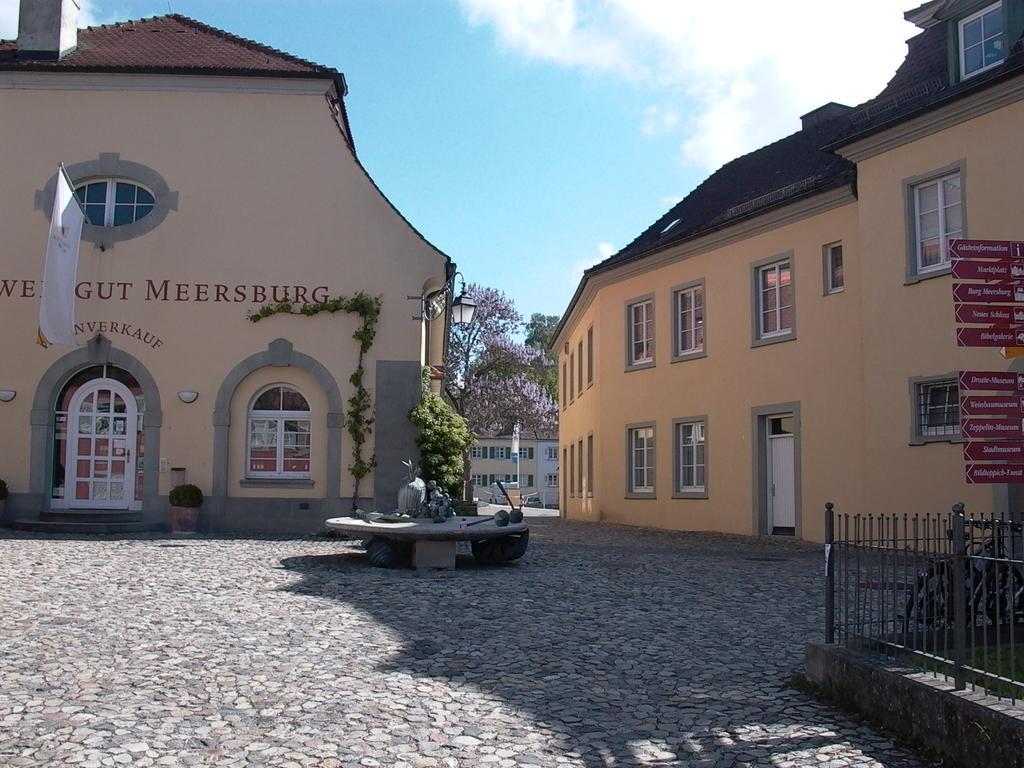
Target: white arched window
(278,434)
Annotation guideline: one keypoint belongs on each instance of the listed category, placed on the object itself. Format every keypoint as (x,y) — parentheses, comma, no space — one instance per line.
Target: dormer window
(981,40)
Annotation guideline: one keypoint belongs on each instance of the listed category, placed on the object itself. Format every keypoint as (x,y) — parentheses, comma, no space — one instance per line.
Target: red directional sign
(990,337)
(1004,269)
(995,473)
(991,405)
(991,381)
(996,450)
(990,314)
(986,249)
(980,429)
(994,293)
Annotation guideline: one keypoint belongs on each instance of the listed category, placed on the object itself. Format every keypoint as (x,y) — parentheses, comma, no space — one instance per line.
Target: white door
(781,476)
(102,433)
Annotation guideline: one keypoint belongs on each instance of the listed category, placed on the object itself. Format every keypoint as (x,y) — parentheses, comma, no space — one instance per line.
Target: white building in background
(536,471)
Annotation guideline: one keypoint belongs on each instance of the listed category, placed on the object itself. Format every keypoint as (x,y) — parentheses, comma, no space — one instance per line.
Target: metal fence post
(830,594)
(959,587)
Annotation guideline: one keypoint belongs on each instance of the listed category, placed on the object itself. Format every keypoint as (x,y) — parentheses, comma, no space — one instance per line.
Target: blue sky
(528,138)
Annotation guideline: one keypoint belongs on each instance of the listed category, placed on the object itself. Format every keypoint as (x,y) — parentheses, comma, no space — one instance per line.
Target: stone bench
(433,545)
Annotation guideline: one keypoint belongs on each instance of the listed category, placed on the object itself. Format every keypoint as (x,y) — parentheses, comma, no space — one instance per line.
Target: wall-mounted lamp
(187,396)
(6,395)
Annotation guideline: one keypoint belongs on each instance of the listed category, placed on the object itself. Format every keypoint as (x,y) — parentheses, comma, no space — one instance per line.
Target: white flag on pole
(60,273)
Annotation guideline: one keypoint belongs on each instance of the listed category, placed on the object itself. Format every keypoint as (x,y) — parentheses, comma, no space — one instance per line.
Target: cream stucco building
(784,336)
(218,176)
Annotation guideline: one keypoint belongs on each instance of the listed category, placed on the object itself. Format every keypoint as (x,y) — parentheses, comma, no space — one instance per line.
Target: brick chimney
(47,29)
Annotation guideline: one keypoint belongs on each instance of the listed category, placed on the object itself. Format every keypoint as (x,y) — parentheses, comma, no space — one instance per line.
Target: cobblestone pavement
(605,646)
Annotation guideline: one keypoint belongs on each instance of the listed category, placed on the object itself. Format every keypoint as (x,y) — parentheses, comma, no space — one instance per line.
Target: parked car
(532,500)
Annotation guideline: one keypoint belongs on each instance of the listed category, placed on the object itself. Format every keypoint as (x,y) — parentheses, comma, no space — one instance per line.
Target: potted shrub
(3,498)
(185,503)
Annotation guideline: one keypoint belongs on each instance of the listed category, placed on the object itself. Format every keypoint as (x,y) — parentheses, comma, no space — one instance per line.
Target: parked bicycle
(993,585)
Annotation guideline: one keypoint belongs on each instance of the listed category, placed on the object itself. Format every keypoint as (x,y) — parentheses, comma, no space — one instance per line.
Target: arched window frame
(279,418)
(110,201)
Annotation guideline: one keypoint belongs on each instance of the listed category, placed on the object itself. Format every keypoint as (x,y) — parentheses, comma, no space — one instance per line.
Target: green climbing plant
(358,418)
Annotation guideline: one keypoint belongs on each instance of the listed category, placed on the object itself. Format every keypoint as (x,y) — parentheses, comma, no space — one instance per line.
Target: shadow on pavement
(662,650)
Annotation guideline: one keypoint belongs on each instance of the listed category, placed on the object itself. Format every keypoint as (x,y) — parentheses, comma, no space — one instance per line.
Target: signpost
(986,249)
(990,313)
(991,405)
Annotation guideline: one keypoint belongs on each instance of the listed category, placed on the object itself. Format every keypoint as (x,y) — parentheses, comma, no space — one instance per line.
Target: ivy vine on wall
(359,422)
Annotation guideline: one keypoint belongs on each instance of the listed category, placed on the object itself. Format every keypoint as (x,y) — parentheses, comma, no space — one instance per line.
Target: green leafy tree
(540,333)
(444,439)
(540,330)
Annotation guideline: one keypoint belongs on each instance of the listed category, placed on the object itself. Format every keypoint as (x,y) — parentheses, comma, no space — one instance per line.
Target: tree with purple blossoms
(493,380)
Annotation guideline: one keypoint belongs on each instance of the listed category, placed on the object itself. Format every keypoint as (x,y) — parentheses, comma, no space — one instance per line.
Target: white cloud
(604,250)
(9,17)
(742,72)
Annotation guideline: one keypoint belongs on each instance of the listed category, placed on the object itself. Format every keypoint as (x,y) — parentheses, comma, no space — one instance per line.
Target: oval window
(114,202)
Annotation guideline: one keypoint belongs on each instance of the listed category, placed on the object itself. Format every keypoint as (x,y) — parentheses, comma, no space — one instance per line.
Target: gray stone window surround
(97,351)
(630,493)
(630,365)
(279,354)
(676,492)
(755,300)
(910,184)
(110,165)
(826,269)
(678,357)
(759,416)
(915,385)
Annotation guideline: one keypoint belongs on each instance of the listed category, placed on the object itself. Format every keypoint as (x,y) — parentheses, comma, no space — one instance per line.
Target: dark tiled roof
(173,43)
(787,170)
(805,163)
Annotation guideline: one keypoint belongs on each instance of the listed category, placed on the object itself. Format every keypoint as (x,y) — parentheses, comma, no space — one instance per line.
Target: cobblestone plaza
(604,646)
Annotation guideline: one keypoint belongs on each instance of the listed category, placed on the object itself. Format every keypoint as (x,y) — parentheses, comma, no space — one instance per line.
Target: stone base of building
(262,516)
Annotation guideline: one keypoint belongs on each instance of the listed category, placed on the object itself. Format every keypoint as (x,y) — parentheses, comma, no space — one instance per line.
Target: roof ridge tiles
(247,42)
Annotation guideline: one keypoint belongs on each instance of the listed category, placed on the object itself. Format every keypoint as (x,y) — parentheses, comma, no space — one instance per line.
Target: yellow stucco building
(785,335)
(218,176)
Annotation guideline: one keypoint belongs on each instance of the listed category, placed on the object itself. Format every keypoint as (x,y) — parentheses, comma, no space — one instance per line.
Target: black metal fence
(943,592)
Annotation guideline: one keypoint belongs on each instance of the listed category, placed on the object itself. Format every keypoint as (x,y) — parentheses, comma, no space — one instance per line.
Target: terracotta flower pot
(184,519)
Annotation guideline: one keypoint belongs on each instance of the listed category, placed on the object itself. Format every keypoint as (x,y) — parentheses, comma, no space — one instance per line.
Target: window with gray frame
(641,332)
(579,468)
(590,356)
(691,456)
(641,460)
(579,368)
(478,452)
(938,218)
(981,40)
(775,300)
(551,480)
(590,465)
(937,409)
(572,469)
(565,396)
(689,304)
(572,372)
(834,281)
